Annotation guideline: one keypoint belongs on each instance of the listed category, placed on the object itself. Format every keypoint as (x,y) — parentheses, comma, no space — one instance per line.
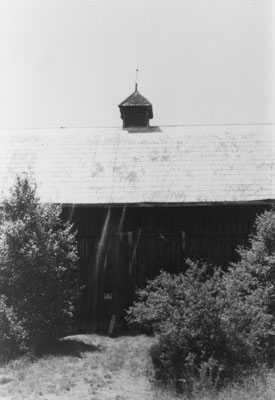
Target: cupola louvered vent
(136,111)
(135,116)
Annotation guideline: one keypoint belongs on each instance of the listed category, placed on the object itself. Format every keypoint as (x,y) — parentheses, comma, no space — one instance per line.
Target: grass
(257,387)
(83,367)
(92,367)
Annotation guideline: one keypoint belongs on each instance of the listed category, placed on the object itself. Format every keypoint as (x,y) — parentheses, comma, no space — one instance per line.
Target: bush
(251,287)
(38,256)
(13,337)
(185,311)
(256,268)
(211,328)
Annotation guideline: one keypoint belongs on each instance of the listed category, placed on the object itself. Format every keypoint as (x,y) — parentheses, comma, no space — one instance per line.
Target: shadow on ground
(70,347)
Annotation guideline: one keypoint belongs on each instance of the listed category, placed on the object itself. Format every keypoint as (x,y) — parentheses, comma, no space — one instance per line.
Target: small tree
(250,284)
(38,258)
(256,268)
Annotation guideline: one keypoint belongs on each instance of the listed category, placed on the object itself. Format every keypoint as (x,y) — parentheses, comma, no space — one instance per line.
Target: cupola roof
(136,110)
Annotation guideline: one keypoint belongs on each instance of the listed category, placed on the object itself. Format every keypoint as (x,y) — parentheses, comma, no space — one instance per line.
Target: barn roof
(184,164)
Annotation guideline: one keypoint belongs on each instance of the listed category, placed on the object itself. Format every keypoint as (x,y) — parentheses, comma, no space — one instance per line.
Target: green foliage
(251,287)
(12,334)
(38,256)
(213,327)
(256,269)
(183,310)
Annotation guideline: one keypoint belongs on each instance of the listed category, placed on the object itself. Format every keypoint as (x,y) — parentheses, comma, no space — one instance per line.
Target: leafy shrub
(208,330)
(250,286)
(256,268)
(38,256)
(183,309)
(12,335)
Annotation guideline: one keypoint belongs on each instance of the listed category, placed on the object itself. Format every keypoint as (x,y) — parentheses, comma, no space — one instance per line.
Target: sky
(70,63)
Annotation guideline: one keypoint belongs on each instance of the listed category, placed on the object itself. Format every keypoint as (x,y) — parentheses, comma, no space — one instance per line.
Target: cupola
(136,111)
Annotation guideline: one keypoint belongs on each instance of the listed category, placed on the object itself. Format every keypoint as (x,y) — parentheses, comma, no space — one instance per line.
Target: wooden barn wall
(121,247)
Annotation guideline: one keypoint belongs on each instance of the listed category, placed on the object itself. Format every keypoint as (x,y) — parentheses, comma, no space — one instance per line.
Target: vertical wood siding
(121,248)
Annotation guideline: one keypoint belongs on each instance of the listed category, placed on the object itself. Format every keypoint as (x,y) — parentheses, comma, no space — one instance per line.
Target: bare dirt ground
(85,367)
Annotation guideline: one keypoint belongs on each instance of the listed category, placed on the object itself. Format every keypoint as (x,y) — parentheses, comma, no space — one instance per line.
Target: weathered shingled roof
(167,165)
(135,99)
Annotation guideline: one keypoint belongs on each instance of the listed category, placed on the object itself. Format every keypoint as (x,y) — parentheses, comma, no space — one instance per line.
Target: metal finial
(136,85)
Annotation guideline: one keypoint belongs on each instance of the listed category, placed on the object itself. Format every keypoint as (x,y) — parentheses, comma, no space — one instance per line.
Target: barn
(144,198)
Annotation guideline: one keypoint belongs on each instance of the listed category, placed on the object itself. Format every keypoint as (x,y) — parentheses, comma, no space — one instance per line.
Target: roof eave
(175,204)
